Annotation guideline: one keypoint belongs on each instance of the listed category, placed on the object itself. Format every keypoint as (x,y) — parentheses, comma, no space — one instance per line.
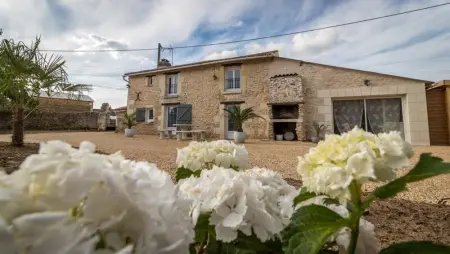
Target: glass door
(231,125)
(171,118)
(373,115)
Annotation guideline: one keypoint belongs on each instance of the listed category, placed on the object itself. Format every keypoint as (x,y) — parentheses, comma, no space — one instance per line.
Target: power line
(252,39)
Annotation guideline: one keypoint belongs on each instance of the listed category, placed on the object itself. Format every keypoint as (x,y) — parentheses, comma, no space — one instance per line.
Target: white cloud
(69,24)
(222,54)
(315,42)
(255,47)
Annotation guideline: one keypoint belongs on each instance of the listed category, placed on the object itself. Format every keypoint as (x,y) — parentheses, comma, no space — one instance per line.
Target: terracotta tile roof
(121,108)
(267,54)
(285,75)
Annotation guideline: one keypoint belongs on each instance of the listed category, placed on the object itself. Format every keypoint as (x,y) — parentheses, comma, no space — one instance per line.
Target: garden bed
(395,220)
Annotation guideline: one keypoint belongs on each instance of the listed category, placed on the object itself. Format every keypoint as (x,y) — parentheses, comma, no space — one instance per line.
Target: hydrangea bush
(191,160)
(65,200)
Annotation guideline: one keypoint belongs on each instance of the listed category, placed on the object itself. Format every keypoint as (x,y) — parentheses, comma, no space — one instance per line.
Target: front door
(231,125)
(171,118)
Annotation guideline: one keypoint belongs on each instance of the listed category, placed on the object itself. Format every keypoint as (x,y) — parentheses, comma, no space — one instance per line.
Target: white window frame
(147,119)
(172,76)
(233,69)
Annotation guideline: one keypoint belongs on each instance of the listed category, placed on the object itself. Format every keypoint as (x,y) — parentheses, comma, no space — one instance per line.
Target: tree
(24,74)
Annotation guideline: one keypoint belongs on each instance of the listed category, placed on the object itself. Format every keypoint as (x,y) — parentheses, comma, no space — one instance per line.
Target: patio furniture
(163,132)
(184,128)
(195,134)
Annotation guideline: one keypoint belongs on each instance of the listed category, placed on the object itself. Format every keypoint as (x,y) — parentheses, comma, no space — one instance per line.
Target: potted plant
(240,117)
(130,121)
(320,130)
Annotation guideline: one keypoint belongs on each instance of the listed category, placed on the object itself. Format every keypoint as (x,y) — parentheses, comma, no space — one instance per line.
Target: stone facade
(322,84)
(269,81)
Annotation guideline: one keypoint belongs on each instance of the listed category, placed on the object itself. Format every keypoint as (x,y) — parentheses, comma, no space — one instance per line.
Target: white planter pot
(279,137)
(239,137)
(129,132)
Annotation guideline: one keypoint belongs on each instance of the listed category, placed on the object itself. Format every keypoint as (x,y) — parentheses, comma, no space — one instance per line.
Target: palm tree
(24,73)
(130,120)
(239,117)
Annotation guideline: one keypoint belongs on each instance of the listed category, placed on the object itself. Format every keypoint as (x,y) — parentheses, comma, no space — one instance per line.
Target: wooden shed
(438,107)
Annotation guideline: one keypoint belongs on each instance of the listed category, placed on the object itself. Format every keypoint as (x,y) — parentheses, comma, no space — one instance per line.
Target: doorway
(231,125)
(171,119)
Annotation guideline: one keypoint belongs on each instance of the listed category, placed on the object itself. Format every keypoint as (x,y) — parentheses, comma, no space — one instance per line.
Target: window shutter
(140,115)
(184,114)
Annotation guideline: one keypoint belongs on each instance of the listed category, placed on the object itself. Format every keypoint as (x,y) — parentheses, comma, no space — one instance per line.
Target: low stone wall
(53,121)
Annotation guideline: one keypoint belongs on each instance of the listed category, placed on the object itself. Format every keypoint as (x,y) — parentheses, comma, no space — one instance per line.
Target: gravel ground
(279,156)
(412,216)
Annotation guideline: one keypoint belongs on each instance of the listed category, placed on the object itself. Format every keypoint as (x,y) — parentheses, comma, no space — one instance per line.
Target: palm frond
(241,116)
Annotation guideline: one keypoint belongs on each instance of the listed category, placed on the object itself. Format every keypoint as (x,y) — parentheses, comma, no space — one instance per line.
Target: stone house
(65,103)
(290,94)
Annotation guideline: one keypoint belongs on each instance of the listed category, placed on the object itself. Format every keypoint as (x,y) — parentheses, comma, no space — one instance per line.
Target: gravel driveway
(279,156)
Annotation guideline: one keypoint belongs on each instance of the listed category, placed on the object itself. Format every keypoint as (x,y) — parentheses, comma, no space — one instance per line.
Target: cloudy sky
(415,45)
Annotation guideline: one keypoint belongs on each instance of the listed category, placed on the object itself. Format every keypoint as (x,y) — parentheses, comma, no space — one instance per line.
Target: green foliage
(428,166)
(24,73)
(303,196)
(130,120)
(310,228)
(416,248)
(320,129)
(241,116)
(183,173)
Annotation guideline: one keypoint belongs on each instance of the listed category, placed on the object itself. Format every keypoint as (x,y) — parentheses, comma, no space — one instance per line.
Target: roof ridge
(262,54)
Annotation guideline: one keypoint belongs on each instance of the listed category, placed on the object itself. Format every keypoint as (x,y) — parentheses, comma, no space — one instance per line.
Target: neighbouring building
(65,102)
(438,105)
(290,94)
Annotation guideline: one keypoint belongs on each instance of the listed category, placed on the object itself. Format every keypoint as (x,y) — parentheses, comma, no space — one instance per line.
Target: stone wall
(53,121)
(285,89)
(64,105)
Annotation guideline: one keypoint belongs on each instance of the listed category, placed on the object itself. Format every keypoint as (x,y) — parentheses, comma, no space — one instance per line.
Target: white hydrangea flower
(256,199)
(90,197)
(367,242)
(203,155)
(331,166)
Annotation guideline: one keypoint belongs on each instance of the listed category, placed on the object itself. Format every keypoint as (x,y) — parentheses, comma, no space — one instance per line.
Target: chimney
(164,63)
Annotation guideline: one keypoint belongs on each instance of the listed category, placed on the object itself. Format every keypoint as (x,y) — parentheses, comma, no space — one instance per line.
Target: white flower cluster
(331,166)
(257,200)
(65,200)
(367,242)
(203,155)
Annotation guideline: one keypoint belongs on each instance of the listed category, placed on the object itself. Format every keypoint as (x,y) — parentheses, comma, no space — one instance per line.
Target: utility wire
(252,39)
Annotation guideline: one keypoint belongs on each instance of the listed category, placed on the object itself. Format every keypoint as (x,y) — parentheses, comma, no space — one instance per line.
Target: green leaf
(303,196)
(183,173)
(330,201)
(310,228)
(202,227)
(428,166)
(416,248)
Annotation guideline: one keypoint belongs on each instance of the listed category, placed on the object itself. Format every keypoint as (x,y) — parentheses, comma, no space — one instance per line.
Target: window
(149,80)
(233,78)
(372,115)
(144,115)
(172,84)
(149,114)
